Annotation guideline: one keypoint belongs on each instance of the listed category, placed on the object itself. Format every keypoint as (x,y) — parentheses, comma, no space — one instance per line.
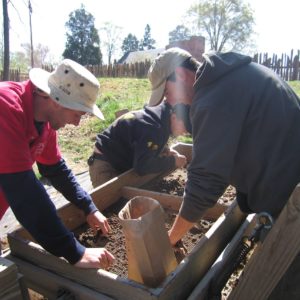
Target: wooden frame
(178,285)
(273,257)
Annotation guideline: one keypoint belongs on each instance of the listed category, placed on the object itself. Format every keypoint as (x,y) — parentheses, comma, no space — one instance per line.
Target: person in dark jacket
(31,112)
(137,140)
(246,130)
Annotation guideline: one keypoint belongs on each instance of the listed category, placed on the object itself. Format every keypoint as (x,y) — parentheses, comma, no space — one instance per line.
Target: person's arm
(180,227)
(152,163)
(35,211)
(63,180)
(149,156)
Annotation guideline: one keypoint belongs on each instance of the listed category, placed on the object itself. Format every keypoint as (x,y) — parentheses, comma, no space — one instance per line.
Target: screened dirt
(115,242)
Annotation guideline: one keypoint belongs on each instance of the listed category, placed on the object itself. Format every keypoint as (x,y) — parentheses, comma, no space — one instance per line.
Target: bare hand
(98,221)
(95,258)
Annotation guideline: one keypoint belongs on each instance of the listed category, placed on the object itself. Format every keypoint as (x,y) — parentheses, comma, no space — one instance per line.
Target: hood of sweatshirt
(217,65)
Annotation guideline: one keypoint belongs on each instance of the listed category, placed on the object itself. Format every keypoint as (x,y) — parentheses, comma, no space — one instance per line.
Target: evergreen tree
(130,44)
(179,33)
(83,43)
(147,42)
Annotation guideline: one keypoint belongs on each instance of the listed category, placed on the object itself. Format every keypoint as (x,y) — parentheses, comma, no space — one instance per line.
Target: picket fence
(286,66)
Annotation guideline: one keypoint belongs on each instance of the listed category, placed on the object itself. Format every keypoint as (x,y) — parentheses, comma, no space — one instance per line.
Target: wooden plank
(273,256)
(109,192)
(201,290)
(97,279)
(193,268)
(172,202)
(47,283)
(9,223)
(184,149)
(179,283)
(168,201)
(103,195)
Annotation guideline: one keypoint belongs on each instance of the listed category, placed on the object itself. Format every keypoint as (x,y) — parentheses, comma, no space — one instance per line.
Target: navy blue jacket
(136,140)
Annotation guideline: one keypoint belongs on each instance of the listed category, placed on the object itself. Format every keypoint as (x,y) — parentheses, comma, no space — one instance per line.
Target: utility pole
(31,44)
(6,42)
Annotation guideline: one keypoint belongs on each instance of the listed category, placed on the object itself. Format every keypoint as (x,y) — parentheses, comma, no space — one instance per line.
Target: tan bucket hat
(163,66)
(70,85)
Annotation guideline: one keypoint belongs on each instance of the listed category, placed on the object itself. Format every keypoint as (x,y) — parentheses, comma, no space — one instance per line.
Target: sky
(276,21)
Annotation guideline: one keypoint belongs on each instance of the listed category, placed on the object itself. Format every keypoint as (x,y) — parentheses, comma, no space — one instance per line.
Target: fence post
(295,68)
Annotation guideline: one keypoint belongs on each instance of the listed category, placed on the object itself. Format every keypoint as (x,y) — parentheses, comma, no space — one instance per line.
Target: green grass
(295,85)
(77,143)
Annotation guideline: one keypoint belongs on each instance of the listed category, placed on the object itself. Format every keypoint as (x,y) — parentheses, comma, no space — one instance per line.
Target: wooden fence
(136,70)
(286,66)
(15,75)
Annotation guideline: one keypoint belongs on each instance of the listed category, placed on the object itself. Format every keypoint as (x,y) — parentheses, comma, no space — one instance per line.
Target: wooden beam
(97,279)
(273,257)
(201,290)
(103,196)
(172,202)
(193,268)
(166,200)
(184,149)
(109,192)
(49,283)
(180,282)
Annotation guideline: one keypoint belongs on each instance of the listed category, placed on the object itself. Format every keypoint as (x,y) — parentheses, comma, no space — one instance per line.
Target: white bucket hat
(71,85)
(163,66)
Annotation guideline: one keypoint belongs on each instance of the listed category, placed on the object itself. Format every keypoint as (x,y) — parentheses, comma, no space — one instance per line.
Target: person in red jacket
(31,112)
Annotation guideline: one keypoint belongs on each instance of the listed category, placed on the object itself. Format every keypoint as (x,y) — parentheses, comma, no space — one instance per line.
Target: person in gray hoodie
(246,130)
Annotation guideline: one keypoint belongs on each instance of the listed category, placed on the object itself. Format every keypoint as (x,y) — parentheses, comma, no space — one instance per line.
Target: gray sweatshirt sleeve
(216,134)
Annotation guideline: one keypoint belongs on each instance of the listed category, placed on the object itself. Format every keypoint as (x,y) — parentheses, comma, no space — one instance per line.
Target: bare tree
(39,56)
(226,24)
(111,39)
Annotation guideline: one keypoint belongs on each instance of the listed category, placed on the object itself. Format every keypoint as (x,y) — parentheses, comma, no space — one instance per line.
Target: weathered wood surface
(273,257)
(50,283)
(178,285)
(11,282)
(194,267)
(9,223)
(171,202)
(201,290)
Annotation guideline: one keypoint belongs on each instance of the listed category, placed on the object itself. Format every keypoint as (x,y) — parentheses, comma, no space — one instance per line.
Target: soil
(115,242)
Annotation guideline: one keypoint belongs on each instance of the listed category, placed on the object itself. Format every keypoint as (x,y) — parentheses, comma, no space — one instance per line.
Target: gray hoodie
(246,133)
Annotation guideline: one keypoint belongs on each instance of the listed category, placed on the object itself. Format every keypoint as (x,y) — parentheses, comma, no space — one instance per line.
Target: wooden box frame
(46,273)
